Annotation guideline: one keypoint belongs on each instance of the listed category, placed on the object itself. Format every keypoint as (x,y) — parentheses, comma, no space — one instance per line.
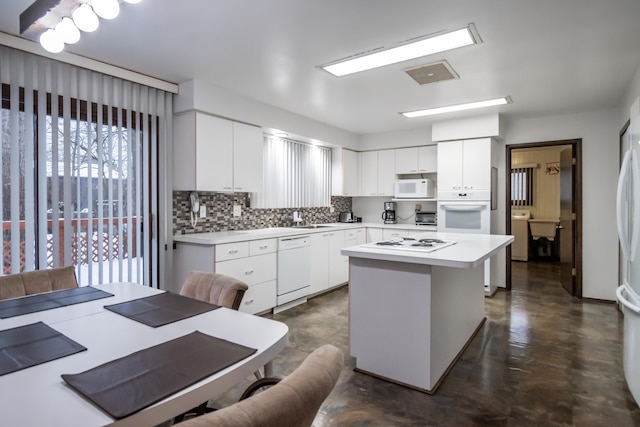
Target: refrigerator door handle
(623,299)
(628,170)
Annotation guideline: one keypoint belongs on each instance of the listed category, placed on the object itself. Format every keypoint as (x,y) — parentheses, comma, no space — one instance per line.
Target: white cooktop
(411,244)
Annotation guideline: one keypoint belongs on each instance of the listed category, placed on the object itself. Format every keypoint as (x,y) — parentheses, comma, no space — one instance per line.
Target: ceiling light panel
(458,107)
(415,49)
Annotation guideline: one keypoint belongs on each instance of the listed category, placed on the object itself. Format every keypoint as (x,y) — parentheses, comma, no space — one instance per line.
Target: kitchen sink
(312,226)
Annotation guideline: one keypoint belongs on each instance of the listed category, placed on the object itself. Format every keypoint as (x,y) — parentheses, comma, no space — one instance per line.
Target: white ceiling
(550,56)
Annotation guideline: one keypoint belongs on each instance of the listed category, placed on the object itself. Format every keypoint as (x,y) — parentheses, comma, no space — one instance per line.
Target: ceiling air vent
(431,73)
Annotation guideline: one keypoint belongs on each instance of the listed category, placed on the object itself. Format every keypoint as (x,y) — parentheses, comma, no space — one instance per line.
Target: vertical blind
(79,170)
(295,175)
(522,185)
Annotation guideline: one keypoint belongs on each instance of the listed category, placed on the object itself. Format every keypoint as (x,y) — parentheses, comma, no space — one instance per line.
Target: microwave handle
(464,207)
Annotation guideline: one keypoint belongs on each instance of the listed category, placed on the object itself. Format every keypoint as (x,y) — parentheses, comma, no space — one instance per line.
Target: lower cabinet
(255,263)
(396,233)
(329,268)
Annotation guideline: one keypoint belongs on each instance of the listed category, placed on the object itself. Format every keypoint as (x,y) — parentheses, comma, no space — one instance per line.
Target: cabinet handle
(233,251)
(238,188)
(248,302)
(227,188)
(264,247)
(248,272)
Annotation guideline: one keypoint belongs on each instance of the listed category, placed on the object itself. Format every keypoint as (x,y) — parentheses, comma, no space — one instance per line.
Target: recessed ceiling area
(551,57)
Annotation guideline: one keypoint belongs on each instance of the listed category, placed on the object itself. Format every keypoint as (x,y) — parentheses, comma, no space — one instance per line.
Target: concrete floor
(542,358)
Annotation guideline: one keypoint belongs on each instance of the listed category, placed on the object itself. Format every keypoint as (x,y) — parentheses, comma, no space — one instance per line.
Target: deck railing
(85,248)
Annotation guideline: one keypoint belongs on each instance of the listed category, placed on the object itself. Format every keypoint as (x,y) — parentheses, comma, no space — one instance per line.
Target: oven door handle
(465,207)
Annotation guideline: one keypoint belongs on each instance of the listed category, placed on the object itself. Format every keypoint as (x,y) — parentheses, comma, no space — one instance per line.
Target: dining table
(38,395)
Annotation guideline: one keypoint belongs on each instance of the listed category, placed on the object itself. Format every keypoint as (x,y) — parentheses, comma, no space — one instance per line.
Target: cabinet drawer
(231,251)
(350,234)
(251,270)
(389,233)
(264,246)
(259,298)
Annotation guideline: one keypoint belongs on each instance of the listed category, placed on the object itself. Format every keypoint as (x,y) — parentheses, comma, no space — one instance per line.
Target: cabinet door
(427,159)
(248,145)
(368,165)
(476,161)
(214,153)
(319,268)
(350,172)
(374,234)
(386,172)
(406,160)
(338,264)
(449,166)
(361,234)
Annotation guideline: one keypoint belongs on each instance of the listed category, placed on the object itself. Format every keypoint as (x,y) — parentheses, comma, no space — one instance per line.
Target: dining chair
(215,288)
(37,282)
(291,402)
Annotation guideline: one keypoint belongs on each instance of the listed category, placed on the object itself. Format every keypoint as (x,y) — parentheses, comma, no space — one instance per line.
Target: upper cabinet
(464,165)
(344,172)
(377,172)
(416,160)
(214,154)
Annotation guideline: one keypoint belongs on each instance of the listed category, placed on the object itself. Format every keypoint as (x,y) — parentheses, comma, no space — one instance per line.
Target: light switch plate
(203,211)
(237,210)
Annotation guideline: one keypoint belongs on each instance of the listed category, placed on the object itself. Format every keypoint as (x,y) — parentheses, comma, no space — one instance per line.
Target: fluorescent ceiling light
(415,49)
(459,107)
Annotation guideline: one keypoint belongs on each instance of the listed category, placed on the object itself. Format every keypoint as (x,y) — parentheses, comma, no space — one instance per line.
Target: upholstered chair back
(215,288)
(37,282)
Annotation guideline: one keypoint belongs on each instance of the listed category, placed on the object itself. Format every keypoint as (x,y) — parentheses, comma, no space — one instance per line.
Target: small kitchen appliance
(426,218)
(347,217)
(389,213)
(415,189)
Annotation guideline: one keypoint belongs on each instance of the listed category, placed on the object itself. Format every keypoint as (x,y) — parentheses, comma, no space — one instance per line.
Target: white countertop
(470,250)
(219,237)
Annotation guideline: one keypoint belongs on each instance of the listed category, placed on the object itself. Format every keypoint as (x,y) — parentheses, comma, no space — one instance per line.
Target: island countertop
(470,250)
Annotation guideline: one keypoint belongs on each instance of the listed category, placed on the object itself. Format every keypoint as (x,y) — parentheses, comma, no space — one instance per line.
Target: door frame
(576,147)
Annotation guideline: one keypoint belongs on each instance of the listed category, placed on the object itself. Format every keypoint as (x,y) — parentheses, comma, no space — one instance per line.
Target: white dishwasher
(294,259)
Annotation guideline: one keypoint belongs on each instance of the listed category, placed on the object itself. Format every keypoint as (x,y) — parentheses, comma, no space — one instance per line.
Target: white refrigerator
(628,222)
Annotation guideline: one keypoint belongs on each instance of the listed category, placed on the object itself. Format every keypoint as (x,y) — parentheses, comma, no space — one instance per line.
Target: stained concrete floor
(542,358)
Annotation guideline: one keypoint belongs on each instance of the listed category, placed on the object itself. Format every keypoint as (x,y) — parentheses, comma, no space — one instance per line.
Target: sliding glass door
(78,156)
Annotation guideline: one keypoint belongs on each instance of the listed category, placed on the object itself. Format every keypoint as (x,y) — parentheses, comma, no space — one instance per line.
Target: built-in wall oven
(464,212)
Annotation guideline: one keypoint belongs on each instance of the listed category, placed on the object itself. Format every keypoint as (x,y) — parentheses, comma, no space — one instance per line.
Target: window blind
(295,175)
(80,163)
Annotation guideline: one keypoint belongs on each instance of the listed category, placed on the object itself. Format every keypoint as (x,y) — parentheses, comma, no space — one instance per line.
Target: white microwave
(415,189)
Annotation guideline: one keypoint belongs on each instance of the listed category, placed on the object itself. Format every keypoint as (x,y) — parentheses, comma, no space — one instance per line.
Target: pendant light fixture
(63,20)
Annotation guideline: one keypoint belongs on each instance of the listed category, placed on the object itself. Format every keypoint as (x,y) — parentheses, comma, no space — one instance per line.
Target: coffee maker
(389,213)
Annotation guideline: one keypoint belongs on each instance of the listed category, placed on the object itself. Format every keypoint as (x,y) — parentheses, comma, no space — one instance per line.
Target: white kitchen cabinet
(319,268)
(374,234)
(255,263)
(214,154)
(464,165)
(344,172)
(377,172)
(338,263)
(416,160)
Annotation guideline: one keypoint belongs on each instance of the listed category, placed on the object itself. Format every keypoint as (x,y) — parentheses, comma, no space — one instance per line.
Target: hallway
(542,358)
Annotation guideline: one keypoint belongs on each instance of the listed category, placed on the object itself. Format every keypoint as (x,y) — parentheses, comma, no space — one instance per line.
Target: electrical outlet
(237,210)
(332,209)
(203,211)
(418,207)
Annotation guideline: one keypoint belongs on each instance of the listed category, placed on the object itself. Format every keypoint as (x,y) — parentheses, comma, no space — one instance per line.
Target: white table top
(470,250)
(38,396)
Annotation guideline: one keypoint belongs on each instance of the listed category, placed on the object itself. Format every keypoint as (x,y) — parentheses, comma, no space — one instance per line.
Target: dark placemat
(49,300)
(129,384)
(161,309)
(31,345)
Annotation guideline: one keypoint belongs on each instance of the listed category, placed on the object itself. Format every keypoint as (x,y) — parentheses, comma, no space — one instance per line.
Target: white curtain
(79,170)
(296,175)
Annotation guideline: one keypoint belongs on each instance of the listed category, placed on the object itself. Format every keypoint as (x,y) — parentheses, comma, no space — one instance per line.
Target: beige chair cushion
(293,402)
(215,288)
(37,282)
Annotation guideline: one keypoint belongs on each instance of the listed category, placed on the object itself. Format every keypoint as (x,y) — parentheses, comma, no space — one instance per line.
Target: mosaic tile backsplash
(220,213)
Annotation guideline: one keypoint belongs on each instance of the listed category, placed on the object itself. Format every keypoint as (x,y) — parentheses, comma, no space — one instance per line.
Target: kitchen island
(413,312)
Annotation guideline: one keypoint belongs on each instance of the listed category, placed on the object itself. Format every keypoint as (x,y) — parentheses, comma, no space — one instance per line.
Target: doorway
(558,232)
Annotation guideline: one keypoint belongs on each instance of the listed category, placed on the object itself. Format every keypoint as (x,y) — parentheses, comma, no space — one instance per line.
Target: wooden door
(567,222)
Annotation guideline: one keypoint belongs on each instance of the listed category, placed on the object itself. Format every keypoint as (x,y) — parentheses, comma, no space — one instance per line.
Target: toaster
(347,217)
